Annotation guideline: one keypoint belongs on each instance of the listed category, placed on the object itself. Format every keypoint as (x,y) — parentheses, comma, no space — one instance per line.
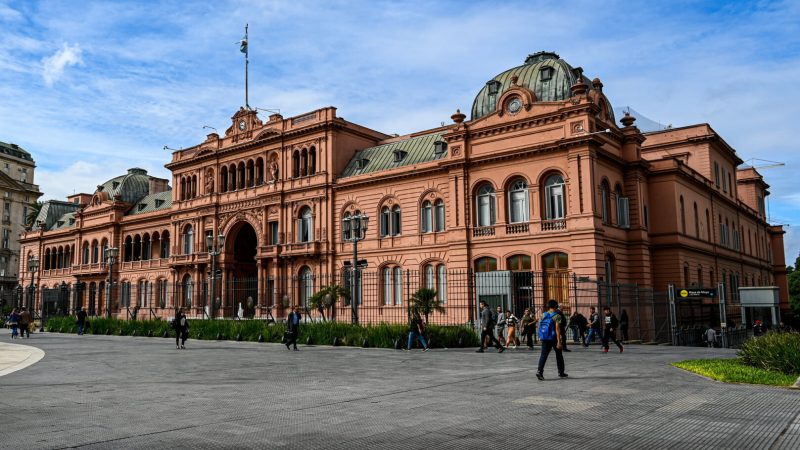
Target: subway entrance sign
(697,293)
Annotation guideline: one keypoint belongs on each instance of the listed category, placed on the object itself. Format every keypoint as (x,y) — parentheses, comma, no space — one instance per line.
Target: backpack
(547,327)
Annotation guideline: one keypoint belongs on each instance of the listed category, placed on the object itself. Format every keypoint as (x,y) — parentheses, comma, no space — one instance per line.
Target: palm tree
(426,301)
(30,219)
(326,297)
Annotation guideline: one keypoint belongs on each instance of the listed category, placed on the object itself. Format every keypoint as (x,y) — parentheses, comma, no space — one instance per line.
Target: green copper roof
(556,88)
(51,213)
(130,187)
(419,149)
(152,202)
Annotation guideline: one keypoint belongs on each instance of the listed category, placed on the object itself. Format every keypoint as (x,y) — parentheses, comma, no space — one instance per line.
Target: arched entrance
(241,246)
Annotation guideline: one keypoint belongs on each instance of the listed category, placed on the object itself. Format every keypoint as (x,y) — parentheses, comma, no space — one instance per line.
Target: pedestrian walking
(500,324)
(13,322)
(579,321)
(528,324)
(24,322)
(552,338)
(416,329)
(487,329)
(292,328)
(610,325)
(181,325)
(710,336)
(511,329)
(623,325)
(80,320)
(594,326)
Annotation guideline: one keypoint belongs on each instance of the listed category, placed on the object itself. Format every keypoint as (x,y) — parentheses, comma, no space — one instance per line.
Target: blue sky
(92,88)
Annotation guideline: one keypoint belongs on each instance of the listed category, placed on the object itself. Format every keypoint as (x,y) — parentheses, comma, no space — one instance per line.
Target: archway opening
(242,285)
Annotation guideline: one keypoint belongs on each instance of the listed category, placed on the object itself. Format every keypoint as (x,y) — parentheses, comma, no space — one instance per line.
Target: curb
(796,384)
(34,356)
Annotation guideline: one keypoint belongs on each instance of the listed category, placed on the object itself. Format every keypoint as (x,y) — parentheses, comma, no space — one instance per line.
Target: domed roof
(130,187)
(544,73)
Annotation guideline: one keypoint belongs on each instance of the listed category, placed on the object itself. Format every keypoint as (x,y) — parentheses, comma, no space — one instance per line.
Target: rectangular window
(6,237)
(730,185)
(716,174)
(273,233)
(398,286)
(646,217)
(724,185)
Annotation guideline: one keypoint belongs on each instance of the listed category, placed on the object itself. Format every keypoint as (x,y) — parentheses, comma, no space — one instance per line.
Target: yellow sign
(684,293)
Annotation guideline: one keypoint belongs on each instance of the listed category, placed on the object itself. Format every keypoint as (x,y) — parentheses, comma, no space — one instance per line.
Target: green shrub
(734,371)
(779,352)
(321,333)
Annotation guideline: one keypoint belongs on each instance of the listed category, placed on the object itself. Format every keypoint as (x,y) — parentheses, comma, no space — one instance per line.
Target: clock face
(514,105)
(242,125)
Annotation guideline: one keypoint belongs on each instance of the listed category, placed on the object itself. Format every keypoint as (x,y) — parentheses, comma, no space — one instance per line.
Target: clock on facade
(242,125)
(514,105)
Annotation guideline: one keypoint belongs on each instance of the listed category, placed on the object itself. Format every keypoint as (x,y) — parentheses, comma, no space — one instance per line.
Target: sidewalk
(14,357)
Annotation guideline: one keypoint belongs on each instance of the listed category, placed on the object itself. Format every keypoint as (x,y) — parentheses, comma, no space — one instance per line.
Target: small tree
(33,213)
(326,297)
(426,301)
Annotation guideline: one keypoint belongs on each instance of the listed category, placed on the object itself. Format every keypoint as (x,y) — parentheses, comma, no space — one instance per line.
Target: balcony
(89,268)
(192,258)
(145,264)
(269,251)
(554,225)
(483,231)
(301,248)
(518,228)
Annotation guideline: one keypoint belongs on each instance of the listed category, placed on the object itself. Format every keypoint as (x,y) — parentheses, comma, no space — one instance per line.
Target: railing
(146,263)
(302,248)
(517,228)
(270,251)
(483,231)
(554,225)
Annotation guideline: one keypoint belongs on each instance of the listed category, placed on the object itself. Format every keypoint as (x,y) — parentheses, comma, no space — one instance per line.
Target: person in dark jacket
(594,326)
(528,327)
(623,325)
(292,328)
(415,330)
(579,322)
(181,326)
(610,324)
(551,338)
(563,324)
(80,320)
(13,322)
(25,320)
(487,329)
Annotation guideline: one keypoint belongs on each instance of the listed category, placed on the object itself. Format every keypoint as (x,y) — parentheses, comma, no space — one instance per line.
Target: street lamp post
(111,258)
(214,252)
(354,229)
(33,267)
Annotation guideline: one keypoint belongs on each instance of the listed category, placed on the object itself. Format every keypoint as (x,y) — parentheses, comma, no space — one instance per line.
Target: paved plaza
(122,392)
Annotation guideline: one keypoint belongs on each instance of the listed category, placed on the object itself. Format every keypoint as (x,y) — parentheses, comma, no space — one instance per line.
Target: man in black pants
(610,329)
(551,338)
(487,329)
(292,328)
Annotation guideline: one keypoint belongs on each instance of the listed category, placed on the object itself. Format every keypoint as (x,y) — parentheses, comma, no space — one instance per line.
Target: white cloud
(68,55)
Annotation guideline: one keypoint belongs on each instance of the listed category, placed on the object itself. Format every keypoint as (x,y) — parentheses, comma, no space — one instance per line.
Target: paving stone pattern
(101,392)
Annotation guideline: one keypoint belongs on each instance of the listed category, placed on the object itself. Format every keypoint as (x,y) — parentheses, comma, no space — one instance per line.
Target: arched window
(144,294)
(708,226)
(390,221)
(485,264)
(223,179)
(296,164)
(439,216)
(518,202)
(146,243)
(305,227)
(194,186)
(605,199)
(188,240)
(485,207)
(259,171)
(623,208)
(165,244)
(46,259)
(125,294)
(128,249)
(696,222)
(387,286)
(306,286)
(163,292)
(137,248)
(609,269)
(304,162)
(183,188)
(232,177)
(240,176)
(85,257)
(518,263)
(683,216)
(251,174)
(556,276)
(312,161)
(426,219)
(104,249)
(95,252)
(398,286)
(386,218)
(554,197)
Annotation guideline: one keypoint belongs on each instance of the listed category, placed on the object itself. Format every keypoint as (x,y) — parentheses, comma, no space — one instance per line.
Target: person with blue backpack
(552,338)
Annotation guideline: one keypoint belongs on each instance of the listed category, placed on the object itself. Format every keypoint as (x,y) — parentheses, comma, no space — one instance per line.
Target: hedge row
(776,351)
(320,333)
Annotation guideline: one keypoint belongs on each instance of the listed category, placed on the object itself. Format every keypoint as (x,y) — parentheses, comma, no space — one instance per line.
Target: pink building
(542,180)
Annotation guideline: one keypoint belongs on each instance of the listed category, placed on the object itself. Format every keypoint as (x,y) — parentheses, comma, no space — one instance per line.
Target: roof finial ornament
(579,88)
(458,117)
(597,84)
(627,120)
(514,79)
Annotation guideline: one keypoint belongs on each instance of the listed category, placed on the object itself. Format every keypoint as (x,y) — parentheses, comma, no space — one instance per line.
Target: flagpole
(246,66)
